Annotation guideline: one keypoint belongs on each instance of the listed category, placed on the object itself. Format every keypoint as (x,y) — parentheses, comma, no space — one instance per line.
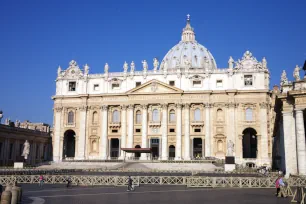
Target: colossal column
(57,134)
(301,147)
(82,133)
(104,130)
(123,130)
(144,130)
(264,133)
(290,142)
(130,127)
(164,132)
(187,132)
(207,130)
(178,148)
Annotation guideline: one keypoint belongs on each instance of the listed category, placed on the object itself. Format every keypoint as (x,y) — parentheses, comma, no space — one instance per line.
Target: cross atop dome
(188,35)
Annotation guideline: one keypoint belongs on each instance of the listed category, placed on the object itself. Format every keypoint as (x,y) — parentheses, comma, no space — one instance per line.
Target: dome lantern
(188,34)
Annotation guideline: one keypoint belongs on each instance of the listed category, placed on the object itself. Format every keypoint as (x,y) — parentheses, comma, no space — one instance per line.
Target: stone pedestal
(229,163)
(18,165)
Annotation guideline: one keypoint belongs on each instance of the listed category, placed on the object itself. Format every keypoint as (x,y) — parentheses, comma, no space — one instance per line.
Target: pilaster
(144,130)
(82,132)
(104,129)
(207,130)
(178,148)
(123,130)
(187,131)
(165,153)
(301,147)
(57,134)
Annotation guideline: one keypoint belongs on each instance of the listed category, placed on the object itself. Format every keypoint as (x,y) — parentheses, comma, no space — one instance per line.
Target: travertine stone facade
(184,108)
(289,134)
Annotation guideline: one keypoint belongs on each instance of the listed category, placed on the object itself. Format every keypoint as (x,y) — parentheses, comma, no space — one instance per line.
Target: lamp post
(1,115)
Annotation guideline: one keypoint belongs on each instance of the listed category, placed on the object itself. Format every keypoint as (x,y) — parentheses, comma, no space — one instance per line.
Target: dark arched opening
(69,144)
(197,148)
(171,152)
(249,143)
(137,154)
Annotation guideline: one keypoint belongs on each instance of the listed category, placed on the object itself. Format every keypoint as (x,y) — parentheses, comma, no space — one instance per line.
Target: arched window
(220,115)
(220,146)
(172,116)
(95,117)
(116,117)
(248,114)
(70,118)
(197,114)
(155,116)
(94,146)
(138,117)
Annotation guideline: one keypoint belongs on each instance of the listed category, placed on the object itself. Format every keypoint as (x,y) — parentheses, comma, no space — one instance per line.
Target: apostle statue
(296,73)
(144,65)
(106,68)
(231,63)
(26,149)
(284,79)
(155,64)
(86,69)
(230,148)
(264,63)
(59,71)
(125,67)
(132,66)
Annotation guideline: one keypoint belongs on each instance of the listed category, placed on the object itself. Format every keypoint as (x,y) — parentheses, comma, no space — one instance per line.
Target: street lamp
(1,115)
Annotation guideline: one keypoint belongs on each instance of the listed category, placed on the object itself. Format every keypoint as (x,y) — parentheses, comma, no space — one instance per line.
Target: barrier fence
(189,181)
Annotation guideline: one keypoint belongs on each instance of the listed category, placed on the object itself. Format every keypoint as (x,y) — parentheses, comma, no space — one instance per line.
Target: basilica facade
(185,107)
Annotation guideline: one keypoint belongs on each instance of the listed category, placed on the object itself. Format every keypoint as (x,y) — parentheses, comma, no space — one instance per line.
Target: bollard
(6,197)
(18,193)
(14,196)
(8,187)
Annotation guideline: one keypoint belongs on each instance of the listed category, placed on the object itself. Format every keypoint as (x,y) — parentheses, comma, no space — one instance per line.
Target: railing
(189,181)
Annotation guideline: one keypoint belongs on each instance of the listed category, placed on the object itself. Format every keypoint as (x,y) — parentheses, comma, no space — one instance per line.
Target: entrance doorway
(137,154)
(197,148)
(69,144)
(155,147)
(249,143)
(171,152)
(114,147)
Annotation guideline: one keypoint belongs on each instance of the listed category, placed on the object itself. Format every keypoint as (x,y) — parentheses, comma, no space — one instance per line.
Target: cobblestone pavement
(51,194)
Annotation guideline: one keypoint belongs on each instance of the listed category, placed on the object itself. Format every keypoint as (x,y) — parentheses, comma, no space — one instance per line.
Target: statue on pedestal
(284,79)
(86,69)
(230,148)
(144,65)
(296,73)
(26,150)
(106,68)
(231,63)
(155,64)
(125,67)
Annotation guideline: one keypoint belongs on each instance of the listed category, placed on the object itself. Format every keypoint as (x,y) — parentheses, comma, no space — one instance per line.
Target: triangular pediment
(154,87)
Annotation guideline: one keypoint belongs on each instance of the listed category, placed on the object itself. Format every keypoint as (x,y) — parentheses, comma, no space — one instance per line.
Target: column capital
(186,105)
(131,106)
(299,109)
(178,105)
(263,105)
(208,105)
(104,107)
(123,107)
(83,108)
(164,105)
(287,113)
(58,109)
(144,106)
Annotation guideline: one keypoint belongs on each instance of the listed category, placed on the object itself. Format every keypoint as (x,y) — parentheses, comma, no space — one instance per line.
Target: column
(231,125)
(109,148)
(104,130)
(82,133)
(301,147)
(187,132)
(130,128)
(123,130)
(207,130)
(289,143)
(178,147)
(144,131)
(165,148)
(264,134)
(57,134)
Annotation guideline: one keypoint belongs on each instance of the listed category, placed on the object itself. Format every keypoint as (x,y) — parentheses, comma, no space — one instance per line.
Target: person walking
(41,180)
(278,183)
(68,182)
(130,184)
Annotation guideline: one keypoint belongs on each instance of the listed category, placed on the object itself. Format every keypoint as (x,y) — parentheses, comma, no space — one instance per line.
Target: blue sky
(37,36)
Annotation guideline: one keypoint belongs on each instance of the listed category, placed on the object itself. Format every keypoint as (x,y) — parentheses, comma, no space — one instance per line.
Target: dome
(188,53)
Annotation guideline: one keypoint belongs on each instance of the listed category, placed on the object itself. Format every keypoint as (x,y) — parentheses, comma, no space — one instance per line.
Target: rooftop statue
(125,67)
(231,63)
(155,64)
(145,65)
(296,73)
(264,63)
(59,71)
(72,63)
(106,68)
(284,79)
(86,69)
(132,66)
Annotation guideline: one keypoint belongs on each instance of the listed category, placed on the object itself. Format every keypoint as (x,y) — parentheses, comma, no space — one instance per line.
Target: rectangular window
(114,131)
(96,87)
(172,83)
(172,130)
(138,130)
(248,80)
(219,84)
(115,86)
(197,83)
(154,141)
(138,83)
(197,130)
(72,86)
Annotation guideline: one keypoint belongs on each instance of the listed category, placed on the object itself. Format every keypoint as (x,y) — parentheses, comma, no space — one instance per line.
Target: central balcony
(197,123)
(115,124)
(154,123)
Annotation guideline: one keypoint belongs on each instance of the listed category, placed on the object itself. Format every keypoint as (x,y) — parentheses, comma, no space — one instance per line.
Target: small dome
(188,53)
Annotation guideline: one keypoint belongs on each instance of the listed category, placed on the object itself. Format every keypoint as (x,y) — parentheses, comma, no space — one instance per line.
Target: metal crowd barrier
(189,181)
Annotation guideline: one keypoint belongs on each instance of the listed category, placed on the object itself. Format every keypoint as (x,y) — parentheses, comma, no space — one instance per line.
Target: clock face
(72,71)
